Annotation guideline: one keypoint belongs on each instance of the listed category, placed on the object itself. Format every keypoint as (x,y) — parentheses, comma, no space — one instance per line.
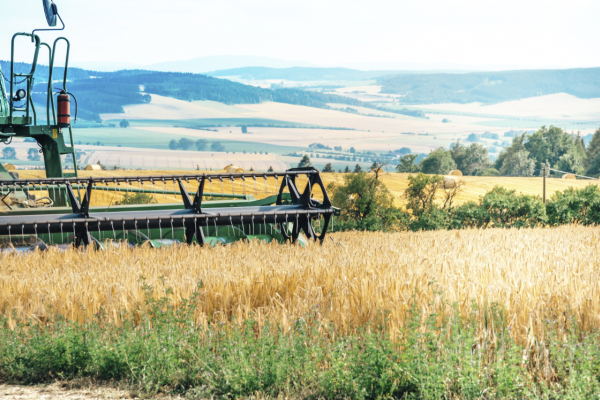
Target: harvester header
(59,210)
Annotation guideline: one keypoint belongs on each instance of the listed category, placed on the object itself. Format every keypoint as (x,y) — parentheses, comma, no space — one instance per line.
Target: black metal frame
(303,210)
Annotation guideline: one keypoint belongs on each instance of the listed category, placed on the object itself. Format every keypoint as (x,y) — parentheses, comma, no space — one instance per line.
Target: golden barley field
(474,186)
(534,274)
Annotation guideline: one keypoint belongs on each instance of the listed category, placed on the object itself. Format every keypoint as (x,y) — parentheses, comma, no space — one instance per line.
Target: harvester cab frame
(18,116)
(37,213)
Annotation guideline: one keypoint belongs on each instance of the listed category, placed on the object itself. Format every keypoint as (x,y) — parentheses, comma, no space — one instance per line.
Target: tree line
(367,205)
(528,153)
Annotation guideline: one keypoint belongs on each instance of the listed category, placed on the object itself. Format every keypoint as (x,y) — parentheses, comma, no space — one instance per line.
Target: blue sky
(528,33)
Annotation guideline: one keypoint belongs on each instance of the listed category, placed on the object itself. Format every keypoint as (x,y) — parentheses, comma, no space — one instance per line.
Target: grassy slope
(131,137)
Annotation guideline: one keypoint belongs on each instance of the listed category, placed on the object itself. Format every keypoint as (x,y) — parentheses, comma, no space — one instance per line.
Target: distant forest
(492,87)
(302,73)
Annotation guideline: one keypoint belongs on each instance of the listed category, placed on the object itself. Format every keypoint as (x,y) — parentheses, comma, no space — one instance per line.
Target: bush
(575,206)
(489,172)
(469,215)
(366,204)
(136,198)
(506,209)
(431,219)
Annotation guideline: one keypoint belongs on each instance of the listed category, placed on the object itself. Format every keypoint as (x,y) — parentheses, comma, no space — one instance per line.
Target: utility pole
(544,191)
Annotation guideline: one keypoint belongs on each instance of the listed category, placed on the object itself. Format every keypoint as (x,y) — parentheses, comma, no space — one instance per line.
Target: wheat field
(474,186)
(534,274)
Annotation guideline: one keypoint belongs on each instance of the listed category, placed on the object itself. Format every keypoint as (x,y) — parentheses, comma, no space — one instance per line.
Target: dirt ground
(67,391)
(62,391)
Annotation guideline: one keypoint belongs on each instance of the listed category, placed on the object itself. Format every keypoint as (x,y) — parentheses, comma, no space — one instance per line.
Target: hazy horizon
(379,35)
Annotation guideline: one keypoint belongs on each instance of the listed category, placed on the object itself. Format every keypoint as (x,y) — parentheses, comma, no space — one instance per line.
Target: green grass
(215,122)
(131,137)
(440,356)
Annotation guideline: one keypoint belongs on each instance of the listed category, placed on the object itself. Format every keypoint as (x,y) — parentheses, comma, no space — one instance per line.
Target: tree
(407,164)
(244,129)
(404,150)
(518,164)
(33,155)
(201,144)
(270,168)
(445,120)
(173,144)
(377,167)
(217,146)
(365,204)
(473,138)
(470,159)
(185,143)
(594,146)
(438,161)
(347,170)
(570,162)
(594,168)
(515,160)
(328,168)
(547,145)
(352,150)
(9,153)
(357,168)
(304,162)
(424,189)
(124,123)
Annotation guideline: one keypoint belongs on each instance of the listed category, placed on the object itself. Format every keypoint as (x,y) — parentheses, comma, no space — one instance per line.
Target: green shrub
(431,219)
(575,206)
(469,215)
(136,198)
(506,209)
(365,203)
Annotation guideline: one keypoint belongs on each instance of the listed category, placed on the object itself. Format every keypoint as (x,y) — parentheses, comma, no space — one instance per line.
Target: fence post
(544,190)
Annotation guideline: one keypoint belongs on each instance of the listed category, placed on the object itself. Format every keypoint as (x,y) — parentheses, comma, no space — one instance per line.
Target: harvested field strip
(532,274)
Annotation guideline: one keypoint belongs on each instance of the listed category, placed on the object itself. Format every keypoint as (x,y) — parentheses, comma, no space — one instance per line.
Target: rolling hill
(491,87)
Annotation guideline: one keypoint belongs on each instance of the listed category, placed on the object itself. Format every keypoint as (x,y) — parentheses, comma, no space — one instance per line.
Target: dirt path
(61,391)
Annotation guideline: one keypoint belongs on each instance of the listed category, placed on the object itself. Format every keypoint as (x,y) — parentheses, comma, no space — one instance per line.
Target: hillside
(491,87)
(108,92)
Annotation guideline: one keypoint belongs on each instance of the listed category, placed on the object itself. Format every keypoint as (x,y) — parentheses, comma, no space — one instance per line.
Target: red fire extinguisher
(64,109)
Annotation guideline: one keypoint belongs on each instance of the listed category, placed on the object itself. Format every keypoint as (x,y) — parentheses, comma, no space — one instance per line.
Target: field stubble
(532,274)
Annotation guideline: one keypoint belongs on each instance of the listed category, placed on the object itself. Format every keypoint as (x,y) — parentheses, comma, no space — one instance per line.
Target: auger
(57,210)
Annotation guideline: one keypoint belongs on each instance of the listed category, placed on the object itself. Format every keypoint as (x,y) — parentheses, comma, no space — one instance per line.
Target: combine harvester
(56,210)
